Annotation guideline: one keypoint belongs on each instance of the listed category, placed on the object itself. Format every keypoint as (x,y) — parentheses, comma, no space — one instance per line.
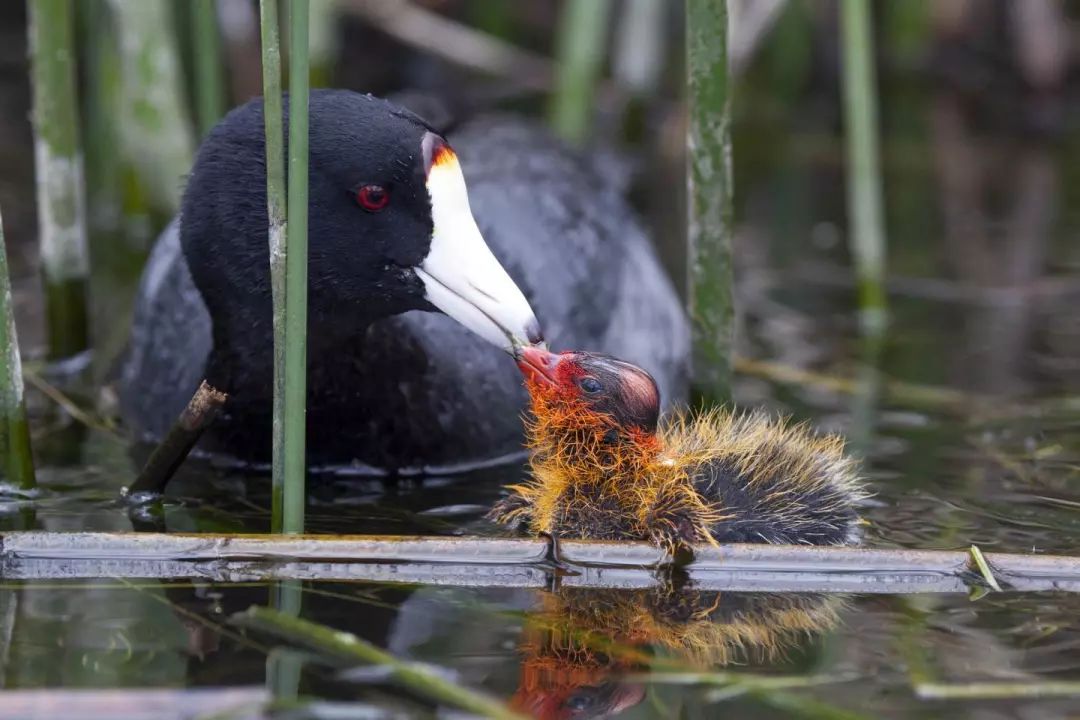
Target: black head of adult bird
(391,234)
(390,230)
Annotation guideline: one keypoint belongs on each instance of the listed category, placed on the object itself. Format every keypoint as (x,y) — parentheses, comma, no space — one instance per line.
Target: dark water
(999,470)
(981,446)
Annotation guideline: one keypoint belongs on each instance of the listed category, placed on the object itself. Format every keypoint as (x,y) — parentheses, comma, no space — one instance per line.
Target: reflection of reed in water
(580,640)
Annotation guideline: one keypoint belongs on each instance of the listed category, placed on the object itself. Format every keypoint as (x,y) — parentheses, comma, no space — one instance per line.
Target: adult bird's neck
(242,359)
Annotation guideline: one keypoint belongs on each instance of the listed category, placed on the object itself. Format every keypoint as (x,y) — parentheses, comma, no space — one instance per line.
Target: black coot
(391,236)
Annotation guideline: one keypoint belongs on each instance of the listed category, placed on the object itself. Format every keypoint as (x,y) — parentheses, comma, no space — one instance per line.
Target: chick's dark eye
(372,198)
(579,702)
(590,385)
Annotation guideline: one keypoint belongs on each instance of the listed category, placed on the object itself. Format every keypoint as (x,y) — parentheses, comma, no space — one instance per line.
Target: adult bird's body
(391,385)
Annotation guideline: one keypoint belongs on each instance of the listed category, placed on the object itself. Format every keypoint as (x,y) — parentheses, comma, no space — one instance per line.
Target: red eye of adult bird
(372,198)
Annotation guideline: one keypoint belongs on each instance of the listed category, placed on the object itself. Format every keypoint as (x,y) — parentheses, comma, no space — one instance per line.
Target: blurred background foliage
(966,421)
(978,106)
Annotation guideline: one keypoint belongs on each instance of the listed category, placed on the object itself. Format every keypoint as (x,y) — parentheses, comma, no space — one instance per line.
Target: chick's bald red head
(613,391)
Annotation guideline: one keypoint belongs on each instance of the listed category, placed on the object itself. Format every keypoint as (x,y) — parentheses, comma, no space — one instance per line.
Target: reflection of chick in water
(582,640)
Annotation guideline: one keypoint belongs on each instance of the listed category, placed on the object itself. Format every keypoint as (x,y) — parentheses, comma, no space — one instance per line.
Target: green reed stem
(296,274)
(709,192)
(120,225)
(285,666)
(157,141)
(209,80)
(15,454)
(275,195)
(59,165)
(322,41)
(102,95)
(867,231)
(348,647)
(579,49)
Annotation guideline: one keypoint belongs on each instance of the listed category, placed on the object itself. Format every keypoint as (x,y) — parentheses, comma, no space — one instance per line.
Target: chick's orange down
(604,467)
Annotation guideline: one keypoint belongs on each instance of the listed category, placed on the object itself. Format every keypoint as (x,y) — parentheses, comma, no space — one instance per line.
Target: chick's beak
(461,276)
(538,364)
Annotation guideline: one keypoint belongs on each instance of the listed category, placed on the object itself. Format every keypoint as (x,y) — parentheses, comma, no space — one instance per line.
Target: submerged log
(477,561)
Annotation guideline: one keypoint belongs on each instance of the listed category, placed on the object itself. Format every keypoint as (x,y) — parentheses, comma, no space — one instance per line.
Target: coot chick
(603,467)
(392,386)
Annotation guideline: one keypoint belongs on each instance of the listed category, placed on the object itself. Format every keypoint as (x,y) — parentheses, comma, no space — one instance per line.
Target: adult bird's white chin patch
(461,276)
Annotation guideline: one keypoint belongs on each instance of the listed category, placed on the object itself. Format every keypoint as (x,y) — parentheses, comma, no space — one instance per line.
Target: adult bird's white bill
(461,276)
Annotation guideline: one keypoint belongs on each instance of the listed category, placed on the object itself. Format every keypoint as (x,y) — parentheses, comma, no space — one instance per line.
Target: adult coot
(391,235)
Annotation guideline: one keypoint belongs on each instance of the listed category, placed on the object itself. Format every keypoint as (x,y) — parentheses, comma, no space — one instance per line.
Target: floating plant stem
(866,230)
(346,646)
(59,165)
(275,197)
(979,561)
(57,396)
(709,189)
(506,562)
(1004,690)
(748,681)
(296,275)
(17,459)
(209,80)
(579,47)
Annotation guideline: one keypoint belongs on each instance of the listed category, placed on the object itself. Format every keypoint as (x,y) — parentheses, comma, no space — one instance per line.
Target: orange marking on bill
(443,156)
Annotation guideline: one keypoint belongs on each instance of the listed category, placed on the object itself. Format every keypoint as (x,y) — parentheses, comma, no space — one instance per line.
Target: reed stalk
(637,64)
(17,459)
(296,275)
(323,41)
(102,100)
(866,400)
(866,232)
(284,666)
(907,31)
(209,79)
(709,193)
(579,49)
(157,141)
(275,196)
(59,163)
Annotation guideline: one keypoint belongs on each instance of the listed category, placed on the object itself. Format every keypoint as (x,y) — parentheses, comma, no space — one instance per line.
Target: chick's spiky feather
(777,482)
(591,478)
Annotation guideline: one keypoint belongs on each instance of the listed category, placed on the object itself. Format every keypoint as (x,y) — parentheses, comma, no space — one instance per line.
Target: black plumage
(390,385)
